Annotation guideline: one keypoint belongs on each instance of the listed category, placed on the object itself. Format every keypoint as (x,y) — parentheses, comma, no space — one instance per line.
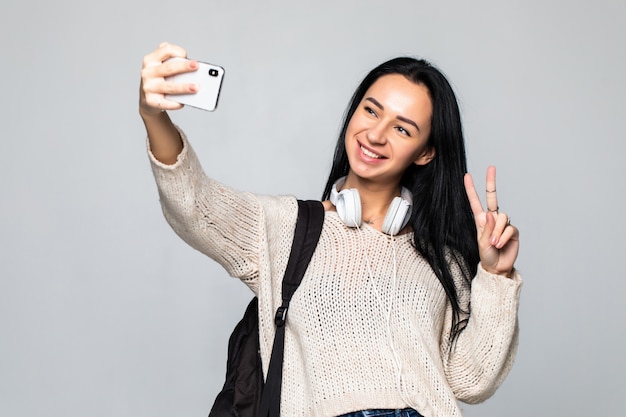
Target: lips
(370,154)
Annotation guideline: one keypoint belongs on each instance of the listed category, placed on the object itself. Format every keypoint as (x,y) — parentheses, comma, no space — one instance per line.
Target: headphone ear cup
(349,207)
(395,217)
(347,202)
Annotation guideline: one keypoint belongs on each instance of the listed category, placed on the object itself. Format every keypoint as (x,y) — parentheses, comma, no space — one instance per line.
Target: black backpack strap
(306,236)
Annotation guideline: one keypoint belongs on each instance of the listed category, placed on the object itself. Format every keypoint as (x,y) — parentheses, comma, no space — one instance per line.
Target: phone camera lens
(213,72)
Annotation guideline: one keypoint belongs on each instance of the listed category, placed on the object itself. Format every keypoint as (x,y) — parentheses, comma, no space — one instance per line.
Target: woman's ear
(427,155)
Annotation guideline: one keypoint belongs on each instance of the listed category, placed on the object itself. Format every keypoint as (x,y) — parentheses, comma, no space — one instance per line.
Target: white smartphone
(209,79)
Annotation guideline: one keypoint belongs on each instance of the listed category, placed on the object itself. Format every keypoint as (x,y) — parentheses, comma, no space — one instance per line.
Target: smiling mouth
(370,154)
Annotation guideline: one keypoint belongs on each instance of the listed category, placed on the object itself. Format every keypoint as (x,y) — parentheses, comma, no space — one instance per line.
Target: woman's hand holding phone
(154,87)
(169,81)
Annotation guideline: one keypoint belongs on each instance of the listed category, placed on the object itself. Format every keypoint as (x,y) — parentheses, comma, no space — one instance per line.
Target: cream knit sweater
(350,319)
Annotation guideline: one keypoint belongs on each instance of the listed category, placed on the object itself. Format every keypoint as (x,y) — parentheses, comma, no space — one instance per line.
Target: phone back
(209,78)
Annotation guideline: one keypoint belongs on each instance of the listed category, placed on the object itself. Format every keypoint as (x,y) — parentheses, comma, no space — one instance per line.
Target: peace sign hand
(498,240)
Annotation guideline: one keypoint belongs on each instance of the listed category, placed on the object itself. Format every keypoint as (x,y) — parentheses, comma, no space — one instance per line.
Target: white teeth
(369,153)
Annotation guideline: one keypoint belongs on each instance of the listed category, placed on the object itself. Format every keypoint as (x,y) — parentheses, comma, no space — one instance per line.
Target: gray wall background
(105,312)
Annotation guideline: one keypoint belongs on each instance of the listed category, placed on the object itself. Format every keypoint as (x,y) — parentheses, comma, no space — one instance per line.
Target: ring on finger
(494,210)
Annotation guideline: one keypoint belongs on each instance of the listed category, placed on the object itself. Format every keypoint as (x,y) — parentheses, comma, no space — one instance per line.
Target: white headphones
(348,205)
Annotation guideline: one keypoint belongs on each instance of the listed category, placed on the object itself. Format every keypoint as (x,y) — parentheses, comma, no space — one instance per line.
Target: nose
(376,133)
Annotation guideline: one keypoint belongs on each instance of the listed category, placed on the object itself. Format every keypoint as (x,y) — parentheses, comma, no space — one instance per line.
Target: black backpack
(244,393)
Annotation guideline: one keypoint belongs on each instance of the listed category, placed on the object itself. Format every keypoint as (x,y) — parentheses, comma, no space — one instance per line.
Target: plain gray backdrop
(105,312)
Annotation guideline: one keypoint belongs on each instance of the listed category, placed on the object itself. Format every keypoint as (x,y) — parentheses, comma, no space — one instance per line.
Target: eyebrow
(401,118)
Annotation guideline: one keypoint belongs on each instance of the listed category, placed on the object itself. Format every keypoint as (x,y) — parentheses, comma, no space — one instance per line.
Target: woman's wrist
(508,274)
(146,112)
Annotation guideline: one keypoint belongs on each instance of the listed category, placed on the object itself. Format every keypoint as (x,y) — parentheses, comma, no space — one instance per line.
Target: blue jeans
(407,412)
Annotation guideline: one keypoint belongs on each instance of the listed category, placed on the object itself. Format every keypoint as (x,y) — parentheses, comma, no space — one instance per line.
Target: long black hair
(443,224)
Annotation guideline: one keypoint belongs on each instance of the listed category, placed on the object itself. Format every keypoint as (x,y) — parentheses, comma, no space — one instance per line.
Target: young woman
(410,300)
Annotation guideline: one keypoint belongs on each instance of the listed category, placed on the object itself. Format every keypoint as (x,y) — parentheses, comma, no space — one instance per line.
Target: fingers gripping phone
(208,77)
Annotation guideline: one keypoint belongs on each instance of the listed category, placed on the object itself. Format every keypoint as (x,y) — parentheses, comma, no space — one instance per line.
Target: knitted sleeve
(229,226)
(477,362)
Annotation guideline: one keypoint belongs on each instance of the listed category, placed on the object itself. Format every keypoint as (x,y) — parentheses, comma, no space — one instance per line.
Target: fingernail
(193,65)
(493,241)
(193,88)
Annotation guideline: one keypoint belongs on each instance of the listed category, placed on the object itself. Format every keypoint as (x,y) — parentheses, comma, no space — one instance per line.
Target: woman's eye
(403,131)
(370,110)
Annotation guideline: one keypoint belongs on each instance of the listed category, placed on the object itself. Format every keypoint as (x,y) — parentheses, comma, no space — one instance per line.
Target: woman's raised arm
(165,141)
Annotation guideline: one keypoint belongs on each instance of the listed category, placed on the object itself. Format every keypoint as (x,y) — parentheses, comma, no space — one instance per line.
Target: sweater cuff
(501,290)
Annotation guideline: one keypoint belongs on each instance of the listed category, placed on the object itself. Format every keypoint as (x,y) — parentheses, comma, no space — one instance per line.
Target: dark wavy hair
(442,220)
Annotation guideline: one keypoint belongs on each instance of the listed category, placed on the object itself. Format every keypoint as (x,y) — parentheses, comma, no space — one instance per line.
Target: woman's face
(389,130)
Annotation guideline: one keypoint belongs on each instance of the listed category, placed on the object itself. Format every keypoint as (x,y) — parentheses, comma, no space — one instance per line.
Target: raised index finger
(472,195)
